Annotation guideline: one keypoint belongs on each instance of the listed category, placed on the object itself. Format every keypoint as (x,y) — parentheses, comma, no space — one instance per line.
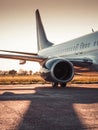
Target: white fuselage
(82,47)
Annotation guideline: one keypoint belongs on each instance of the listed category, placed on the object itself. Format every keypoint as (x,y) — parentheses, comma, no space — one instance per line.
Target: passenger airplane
(58,61)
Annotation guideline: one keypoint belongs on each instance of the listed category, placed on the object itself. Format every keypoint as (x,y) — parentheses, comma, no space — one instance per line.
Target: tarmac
(41,107)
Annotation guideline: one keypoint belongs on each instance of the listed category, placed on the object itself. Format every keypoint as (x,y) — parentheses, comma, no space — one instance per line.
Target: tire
(54,85)
(63,85)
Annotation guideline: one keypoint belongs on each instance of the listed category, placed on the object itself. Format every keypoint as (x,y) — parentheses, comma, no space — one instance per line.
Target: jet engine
(57,70)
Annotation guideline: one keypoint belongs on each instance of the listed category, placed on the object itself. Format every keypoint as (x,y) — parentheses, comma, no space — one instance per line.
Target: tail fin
(42,40)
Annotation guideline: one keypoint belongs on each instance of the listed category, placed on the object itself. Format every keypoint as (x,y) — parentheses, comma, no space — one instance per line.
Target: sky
(63,20)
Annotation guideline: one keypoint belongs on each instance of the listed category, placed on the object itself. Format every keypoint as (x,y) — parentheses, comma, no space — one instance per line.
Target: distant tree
(5,73)
(22,72)
(30,72)
(25,72)
(36,73)
(12,72)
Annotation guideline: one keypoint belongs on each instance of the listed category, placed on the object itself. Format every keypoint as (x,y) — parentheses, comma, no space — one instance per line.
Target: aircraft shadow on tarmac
(52,109)
(75,95)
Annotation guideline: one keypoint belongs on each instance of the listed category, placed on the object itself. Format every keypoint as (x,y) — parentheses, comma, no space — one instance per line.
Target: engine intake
(57,70)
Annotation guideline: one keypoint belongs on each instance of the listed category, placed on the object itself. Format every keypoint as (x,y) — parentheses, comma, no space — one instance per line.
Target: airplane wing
(18,52)
(36,58)
(22,56)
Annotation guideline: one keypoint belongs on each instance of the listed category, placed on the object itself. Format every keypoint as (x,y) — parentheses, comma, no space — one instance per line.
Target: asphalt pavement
(41,107)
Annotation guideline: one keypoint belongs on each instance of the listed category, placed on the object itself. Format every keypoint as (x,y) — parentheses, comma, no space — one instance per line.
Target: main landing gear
(55,85)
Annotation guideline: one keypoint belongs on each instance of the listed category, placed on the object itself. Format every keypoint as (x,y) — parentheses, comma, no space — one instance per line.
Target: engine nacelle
(57,70)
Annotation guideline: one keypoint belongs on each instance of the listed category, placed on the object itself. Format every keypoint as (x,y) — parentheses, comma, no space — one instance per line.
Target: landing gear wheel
(54,85)
(63,85)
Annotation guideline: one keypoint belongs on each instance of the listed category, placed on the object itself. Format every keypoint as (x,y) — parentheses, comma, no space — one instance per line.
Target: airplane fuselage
(85,46)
